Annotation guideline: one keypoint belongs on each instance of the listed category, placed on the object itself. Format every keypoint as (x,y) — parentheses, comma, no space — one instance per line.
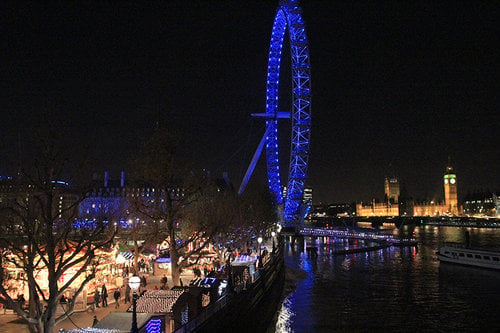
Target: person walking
(63,300)
(21,300)
(164,281)
(127,293)
(116,296)
(104,295)
(97,298)
(95,321)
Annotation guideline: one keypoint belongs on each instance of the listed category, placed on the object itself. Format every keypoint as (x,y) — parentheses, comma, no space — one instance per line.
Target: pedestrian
(144,282)
(97,298)
(95,321)
(141,265)
(116,296)
(127,294)
(21,300)
(104,295)
(63,301)
(164,281)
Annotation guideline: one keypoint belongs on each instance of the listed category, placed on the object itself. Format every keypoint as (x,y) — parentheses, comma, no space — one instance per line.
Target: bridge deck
(365,235)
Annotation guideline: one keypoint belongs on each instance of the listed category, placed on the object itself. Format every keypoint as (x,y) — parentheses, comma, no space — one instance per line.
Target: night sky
(398,87)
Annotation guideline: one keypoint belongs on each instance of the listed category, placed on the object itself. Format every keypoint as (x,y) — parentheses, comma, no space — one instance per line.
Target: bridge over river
(382,239)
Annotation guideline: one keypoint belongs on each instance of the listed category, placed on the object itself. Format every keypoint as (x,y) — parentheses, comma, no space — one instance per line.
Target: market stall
(244,270)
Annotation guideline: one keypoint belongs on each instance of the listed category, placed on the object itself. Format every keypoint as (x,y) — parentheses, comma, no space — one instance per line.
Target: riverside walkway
(10,322)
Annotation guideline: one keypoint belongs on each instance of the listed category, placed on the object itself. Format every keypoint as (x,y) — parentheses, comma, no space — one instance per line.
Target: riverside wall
(250,310)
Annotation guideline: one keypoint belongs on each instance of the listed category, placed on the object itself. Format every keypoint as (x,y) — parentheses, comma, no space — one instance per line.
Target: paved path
(10,324)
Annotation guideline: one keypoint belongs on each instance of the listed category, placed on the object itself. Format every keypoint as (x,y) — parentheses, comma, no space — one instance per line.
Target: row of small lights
(322,232)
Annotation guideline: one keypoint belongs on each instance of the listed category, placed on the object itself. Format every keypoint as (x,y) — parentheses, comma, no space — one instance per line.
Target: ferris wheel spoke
(288,16)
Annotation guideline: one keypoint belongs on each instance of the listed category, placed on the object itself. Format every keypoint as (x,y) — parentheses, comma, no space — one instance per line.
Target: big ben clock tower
(450,190)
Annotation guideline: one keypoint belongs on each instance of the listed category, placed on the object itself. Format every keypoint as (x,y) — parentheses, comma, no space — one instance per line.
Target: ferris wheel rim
(289,15)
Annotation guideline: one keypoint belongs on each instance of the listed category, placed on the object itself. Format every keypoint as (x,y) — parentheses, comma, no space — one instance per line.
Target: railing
(455,245)
(365,235)
(207,313)
(346,234)
(221,303)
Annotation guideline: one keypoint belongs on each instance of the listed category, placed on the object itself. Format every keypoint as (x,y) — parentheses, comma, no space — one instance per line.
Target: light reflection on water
(284,321)
(394,289)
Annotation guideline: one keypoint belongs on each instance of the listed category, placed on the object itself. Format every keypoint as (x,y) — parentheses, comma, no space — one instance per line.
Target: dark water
(394,289)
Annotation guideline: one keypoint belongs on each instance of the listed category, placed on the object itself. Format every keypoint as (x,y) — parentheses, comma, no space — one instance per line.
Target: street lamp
(134,282)
(259,240)
(273,234)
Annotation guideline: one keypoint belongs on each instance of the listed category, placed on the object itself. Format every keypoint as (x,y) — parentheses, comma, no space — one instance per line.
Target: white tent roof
(244,260)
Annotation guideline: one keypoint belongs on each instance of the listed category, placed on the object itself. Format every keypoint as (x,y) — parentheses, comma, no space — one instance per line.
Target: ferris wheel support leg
(251,167)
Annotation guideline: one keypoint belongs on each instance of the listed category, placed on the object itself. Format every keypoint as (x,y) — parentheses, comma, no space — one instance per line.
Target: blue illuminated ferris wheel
(288,15)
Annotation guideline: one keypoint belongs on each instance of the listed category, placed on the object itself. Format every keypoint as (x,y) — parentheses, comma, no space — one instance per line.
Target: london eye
(289,19)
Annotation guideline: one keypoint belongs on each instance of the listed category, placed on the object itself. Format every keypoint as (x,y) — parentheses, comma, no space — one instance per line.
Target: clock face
(452,181)
(446,181)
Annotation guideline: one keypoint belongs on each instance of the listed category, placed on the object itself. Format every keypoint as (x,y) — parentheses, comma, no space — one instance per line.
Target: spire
(449,166)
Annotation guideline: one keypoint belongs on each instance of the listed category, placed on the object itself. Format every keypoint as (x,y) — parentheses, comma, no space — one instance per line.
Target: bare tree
(145,227)
(213,212)
(248,215)
(177,188)
(37,223)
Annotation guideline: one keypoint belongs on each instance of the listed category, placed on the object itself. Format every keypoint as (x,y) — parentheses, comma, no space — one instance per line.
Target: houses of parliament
(393,206)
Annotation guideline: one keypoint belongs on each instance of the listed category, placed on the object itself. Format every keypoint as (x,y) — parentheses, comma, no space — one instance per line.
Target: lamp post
(229,274)
(134,282)
(259,240)
(273,234)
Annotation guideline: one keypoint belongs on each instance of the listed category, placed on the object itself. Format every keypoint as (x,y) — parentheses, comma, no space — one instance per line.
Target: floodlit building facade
(377,209)
(390,206)
(392,190)
(482,204)
(450,204)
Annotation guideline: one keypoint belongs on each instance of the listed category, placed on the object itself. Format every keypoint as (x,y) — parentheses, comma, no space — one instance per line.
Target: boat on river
(460,254)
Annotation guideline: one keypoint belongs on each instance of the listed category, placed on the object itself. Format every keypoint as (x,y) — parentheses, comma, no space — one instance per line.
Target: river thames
(394,289)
